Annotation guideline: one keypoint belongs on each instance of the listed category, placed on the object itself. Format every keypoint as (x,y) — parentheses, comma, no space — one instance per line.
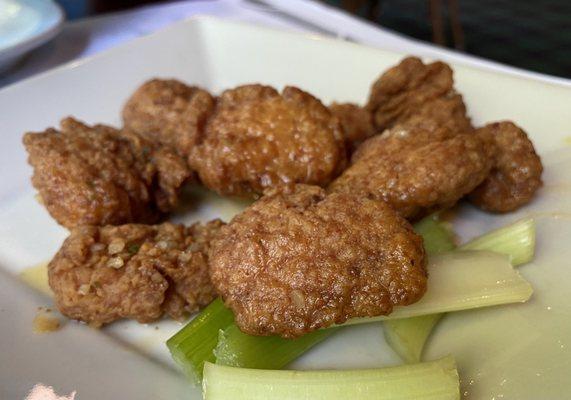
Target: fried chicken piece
(516,174)
(417,168)
(169,112)
(298,260)
(100,175)
(102,274)
(258,138)
(412,88)
(357,123)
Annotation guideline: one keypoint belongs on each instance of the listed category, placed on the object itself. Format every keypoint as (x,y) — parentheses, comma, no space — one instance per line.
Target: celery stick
(435,380)
(437,235)
(516,240)
(192,345)
(463,280)
(238,349)
(459,280)
(408,336)
(191,349)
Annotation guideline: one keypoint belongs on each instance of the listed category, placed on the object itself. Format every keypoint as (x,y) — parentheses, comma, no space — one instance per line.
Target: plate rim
(201,19)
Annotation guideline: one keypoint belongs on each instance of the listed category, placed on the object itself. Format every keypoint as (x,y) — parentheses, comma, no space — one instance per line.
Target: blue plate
(25,25)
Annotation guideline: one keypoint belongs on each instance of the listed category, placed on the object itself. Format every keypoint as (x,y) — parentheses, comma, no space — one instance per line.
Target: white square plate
(513,352)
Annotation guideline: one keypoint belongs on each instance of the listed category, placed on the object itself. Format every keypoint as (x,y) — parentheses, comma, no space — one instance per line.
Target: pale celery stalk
(238,349)
(437,235)
(435,380)
(192,345)
(204,329)
(459,280)
(464,280)
(408,336)
(516,240)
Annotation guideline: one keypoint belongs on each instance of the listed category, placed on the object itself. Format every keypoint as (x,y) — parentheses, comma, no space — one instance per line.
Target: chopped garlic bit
(401,133)
(116,246)
(164,245)
(115,262)
(45,323)
(298,298)
(96,247)
(84,289)
(184,257)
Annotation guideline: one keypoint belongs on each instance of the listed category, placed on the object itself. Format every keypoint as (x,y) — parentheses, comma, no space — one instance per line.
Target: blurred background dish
(25,25)
(529,34)
(520,38)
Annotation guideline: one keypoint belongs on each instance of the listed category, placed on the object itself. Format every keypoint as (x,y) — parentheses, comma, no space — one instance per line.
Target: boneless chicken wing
(102,274)
(357,123)
(298,260)
(417,167)
(97,175)
(413,88)
(169,112)
(258,138)
(516,174)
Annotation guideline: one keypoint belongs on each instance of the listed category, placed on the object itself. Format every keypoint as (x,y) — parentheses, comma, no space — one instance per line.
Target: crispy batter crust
(102,274)
(357,123)
(169,112)
(99,175)
(298,260)
(417,168)
(258,138)
(412,88)
(516,174)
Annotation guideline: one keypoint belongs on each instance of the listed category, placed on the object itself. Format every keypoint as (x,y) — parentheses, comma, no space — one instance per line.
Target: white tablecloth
(91,35)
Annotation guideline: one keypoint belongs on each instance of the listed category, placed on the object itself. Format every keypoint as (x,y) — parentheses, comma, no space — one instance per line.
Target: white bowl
(25,25)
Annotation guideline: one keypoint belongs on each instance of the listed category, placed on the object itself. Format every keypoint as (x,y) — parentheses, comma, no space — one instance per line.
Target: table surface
(88,36)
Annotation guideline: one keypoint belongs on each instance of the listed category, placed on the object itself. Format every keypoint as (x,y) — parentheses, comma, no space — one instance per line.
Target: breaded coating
(98,175)
(357,123)
(413,88)
(417,168)
(258,138)
(516,174)
(169,112)
(298,260)
(102,274)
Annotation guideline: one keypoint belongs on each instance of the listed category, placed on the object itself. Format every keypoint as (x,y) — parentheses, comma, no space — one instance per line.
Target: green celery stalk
(407,337)
(435,380)
(196,343)
(460,280)
(437,235)
(516,240)
(192,345)
(238,349)
(464,280)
